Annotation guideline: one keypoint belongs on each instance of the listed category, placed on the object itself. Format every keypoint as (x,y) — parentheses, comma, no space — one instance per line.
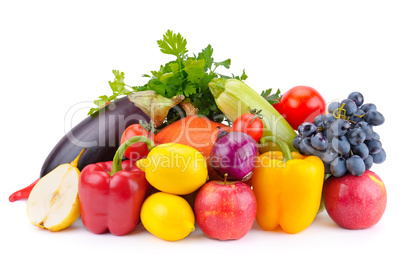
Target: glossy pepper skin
(288,191)
(22,193)
(111,194)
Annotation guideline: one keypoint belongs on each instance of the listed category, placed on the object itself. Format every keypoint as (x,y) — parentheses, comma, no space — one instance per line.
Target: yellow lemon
(167,216)
(175,168)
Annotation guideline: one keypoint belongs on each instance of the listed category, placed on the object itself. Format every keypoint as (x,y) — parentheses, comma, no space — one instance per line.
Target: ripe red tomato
(301,104)
(138,150)
(250,124)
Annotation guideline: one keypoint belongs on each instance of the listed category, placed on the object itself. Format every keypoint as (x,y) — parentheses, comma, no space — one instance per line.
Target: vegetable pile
(197,147)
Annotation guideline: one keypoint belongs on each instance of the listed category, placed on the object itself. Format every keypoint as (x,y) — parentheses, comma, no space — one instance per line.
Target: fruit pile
(344,139)
(194,148)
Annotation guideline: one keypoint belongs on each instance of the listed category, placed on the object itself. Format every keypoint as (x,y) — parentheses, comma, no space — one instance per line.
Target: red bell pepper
(111,193)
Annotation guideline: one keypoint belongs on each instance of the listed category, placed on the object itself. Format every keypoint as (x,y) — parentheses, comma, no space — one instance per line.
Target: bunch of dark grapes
(344,138)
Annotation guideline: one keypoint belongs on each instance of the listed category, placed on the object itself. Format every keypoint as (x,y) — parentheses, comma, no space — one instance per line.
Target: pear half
(53,203)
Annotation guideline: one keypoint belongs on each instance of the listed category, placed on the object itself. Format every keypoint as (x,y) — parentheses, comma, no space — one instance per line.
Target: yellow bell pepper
(288,191)
(279,155)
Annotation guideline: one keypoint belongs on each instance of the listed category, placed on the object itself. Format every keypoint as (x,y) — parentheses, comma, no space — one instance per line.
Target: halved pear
(53,203)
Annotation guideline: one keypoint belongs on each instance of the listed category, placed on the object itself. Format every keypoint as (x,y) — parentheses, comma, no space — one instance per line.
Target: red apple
(355,202)
(225,210)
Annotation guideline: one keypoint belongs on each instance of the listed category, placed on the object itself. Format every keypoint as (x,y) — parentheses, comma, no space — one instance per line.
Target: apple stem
(226,177)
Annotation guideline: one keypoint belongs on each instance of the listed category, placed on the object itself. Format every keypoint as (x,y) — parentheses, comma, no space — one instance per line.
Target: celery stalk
(234,98)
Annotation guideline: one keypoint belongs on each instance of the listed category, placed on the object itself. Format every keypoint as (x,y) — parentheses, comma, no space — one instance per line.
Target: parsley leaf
(173,44)
(189,89)
(243,77)
(206,55)
(225,63)
(118,84)
(194,69)
(118,87)
(272,99)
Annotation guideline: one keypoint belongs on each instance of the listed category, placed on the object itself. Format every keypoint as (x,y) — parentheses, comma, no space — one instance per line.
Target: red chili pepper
(22,193)
(111,193)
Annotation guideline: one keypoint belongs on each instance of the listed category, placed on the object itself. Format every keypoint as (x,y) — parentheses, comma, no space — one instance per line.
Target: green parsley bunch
(186,75)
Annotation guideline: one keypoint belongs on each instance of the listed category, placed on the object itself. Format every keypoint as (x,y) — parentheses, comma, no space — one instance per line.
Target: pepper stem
(287,155)
(118,156)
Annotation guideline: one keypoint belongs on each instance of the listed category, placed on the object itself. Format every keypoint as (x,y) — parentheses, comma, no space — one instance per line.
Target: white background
(55,55)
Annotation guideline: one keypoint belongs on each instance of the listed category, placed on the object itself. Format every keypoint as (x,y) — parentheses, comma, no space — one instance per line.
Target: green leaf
(225,76)
(172,44)
(118,84)
(166,77)
(118,88)
(170,91)
(103,99)
(194,69)
(92,111)
(206,55)
(189,89)
(243,77)
(206,79)
(225,63)
(159,72)
(174,66)
(158,86)
(272,99)
(175,80)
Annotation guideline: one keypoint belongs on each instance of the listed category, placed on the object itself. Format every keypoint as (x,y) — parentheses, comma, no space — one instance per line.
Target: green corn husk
(234,98)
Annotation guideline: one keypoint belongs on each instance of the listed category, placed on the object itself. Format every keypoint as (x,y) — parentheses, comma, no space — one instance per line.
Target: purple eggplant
(99,133)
